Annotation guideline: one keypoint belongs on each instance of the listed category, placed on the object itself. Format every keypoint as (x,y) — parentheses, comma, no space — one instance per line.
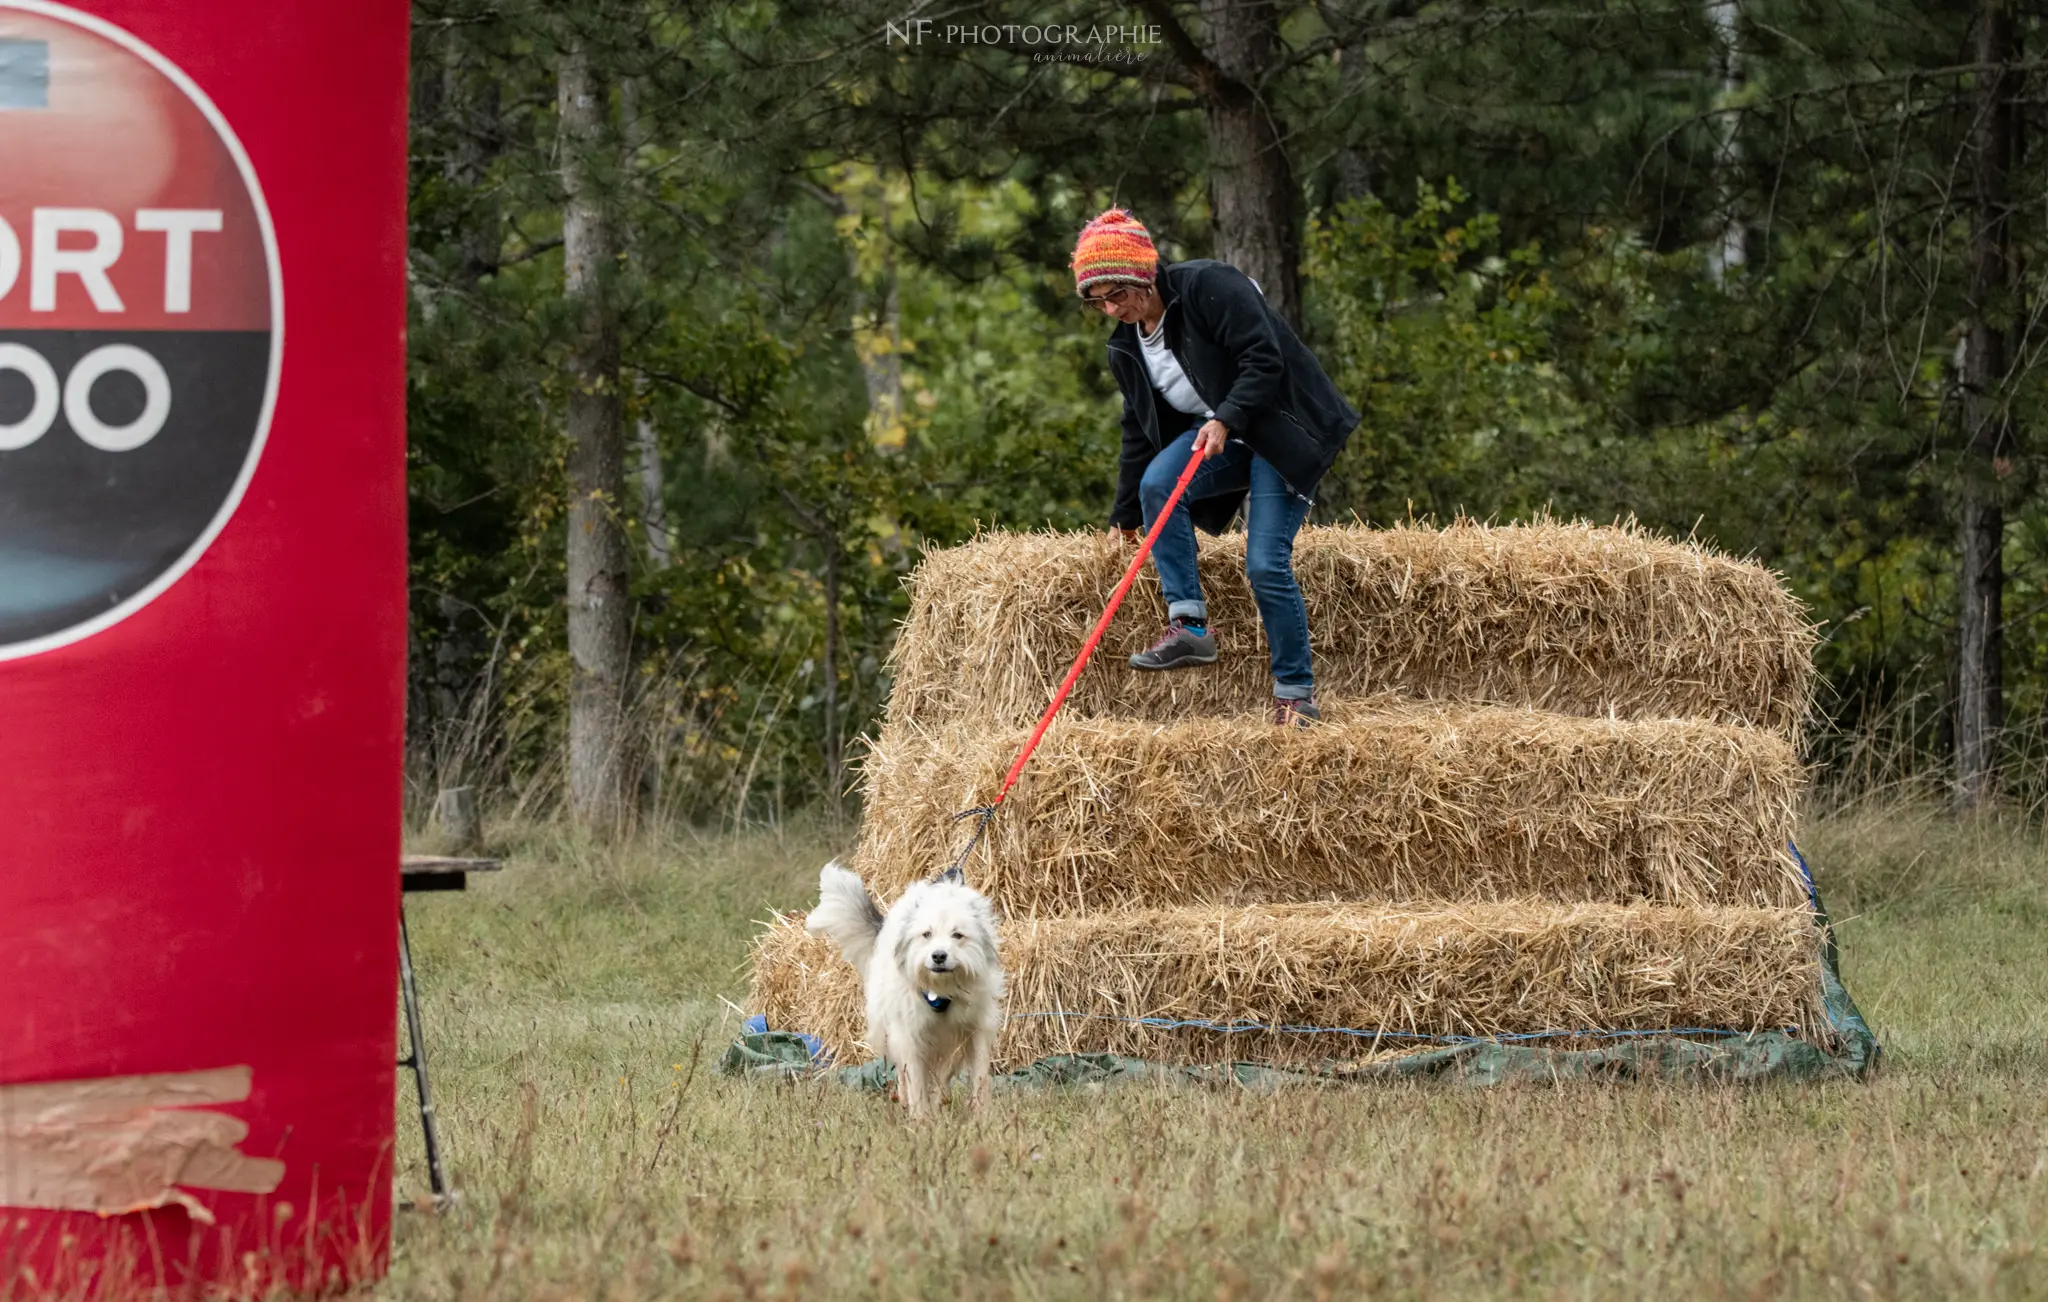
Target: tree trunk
(450,672)
(833,772)
(653,508)
(1729,251)
(881,360)
(1980,586)
(600,630)
(1251,182)
(646,435)
(1354,167)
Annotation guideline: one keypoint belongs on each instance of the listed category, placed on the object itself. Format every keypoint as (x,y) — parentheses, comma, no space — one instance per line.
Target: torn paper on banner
(127,1143)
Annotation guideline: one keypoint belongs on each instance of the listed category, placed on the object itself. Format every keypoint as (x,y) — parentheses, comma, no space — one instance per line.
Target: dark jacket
(1248,365)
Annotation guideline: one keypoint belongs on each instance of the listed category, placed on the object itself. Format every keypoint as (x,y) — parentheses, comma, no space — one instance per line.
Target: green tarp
(1766,1055)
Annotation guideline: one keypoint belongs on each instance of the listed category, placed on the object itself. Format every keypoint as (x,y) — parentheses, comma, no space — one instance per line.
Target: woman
(1204,362)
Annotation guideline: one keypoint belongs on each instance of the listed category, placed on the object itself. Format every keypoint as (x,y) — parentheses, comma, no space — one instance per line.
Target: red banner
(202,630)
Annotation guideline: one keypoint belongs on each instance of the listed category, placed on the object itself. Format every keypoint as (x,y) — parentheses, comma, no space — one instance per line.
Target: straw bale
(1460,970)
(1567,617)
(1385,800)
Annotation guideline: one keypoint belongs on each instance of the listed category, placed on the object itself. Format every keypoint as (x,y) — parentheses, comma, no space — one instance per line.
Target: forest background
(720,313)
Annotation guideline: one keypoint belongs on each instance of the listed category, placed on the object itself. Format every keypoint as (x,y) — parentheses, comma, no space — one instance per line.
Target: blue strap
(1806,874)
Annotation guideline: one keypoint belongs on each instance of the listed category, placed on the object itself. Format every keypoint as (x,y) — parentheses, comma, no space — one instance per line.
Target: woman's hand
(1209,440)
(1121,535)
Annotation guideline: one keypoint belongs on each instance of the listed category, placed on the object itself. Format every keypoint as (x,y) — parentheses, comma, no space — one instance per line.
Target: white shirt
(1167,375)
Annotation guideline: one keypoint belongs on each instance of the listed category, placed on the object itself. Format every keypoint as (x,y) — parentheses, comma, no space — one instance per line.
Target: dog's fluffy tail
(846,914)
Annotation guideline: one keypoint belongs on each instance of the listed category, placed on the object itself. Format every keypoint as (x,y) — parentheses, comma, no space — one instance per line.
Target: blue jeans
(1273,515)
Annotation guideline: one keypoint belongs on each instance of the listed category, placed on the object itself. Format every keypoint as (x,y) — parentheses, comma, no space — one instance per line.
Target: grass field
(575,1011)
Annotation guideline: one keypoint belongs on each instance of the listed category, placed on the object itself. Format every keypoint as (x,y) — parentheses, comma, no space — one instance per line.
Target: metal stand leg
(417,1060)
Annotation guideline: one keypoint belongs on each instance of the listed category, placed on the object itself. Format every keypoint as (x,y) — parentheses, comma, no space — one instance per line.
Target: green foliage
(749,302)
(847,319)
(1015,425)
(1444,340)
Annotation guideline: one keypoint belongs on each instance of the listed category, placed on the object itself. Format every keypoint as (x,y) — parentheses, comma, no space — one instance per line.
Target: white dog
(933,978)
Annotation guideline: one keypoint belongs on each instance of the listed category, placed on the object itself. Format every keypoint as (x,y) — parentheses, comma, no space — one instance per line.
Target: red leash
(1116,599)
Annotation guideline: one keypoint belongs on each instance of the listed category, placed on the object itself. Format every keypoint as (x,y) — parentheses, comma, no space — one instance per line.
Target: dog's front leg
(910,1080)
(978,1078)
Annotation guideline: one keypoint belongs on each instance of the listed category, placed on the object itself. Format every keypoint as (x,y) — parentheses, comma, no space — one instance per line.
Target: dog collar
(939,1003)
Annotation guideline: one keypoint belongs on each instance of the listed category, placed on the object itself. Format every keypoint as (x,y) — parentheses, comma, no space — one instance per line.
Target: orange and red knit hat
(1116,248)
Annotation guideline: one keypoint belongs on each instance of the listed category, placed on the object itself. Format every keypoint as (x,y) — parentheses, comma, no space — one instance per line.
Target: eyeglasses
(1114,297)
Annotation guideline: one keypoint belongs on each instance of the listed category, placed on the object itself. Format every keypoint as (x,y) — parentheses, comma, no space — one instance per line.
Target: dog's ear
(951,877)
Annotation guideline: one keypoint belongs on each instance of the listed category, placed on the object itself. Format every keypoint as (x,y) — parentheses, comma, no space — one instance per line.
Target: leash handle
(1095,636)
(1116,599)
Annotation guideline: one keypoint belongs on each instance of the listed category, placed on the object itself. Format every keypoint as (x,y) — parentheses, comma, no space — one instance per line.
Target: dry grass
(1399,801)
(1566,617)
(573,1007)
(1449,970)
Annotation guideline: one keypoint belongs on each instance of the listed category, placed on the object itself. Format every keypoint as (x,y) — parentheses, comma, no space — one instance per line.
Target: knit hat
(1114,248)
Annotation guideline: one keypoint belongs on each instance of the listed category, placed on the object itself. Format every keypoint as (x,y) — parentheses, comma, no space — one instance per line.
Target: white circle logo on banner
(141,325)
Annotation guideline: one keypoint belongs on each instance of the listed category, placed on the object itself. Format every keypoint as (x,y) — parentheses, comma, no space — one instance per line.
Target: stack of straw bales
(1553,791)
(1567,618)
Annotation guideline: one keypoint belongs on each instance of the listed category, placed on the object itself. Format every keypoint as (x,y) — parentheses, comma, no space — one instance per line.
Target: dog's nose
(938,958)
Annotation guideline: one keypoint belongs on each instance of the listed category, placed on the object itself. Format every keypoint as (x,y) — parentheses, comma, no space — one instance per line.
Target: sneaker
(1293,712)
(1179,645)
